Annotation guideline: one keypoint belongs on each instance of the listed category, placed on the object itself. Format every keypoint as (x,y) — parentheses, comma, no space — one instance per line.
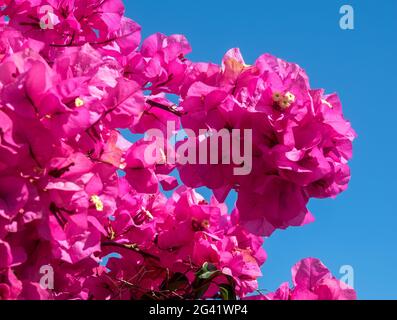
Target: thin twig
(132,247)
(173,108)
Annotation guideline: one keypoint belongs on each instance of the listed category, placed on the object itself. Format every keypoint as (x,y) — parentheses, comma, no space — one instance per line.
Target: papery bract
(312,281)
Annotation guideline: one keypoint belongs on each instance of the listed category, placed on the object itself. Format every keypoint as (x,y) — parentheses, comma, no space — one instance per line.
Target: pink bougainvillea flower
(285,205)
(61,23)
(147,165)
(166,63)
(301,142)
(312,281)
(5,255)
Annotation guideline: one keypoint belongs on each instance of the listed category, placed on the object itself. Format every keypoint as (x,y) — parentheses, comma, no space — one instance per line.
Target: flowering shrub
(312,281)
(73,191)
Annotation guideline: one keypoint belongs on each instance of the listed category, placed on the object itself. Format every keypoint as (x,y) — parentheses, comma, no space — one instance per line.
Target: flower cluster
(164,243)
(75,194)
(311,281)
(301,142)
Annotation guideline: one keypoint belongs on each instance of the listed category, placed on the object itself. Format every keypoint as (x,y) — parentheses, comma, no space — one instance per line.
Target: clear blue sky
(358,228)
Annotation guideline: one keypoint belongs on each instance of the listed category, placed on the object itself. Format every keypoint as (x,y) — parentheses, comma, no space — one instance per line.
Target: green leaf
(207,271)
(209,274)
(227,292)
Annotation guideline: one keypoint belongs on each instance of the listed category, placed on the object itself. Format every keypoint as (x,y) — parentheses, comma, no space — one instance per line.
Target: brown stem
(132,247)
(91,43)
(164,107)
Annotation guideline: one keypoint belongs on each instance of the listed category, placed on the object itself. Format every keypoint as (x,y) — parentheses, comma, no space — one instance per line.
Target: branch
(133,247)
(173,109)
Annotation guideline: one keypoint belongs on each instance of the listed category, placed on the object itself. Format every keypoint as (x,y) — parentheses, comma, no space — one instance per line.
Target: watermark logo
(49,19)
(208,147)
(47,280)
(346,22)
(347,279)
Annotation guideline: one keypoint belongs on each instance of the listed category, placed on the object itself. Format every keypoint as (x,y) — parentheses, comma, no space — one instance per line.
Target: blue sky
(357,228)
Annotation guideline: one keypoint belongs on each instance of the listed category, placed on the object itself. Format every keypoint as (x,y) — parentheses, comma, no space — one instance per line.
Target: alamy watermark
(47,278)
(346,22)
(347,278)
(210,146)
(48,19)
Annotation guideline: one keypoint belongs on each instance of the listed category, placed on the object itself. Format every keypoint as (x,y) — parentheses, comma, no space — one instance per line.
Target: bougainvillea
(311,281)
(74,192)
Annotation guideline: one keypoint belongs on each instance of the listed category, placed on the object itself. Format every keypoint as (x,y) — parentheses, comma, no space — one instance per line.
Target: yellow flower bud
(78,102)
(97,202)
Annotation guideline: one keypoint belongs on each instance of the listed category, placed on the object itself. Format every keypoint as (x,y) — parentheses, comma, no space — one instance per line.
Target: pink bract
(311,281)
(301,142)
